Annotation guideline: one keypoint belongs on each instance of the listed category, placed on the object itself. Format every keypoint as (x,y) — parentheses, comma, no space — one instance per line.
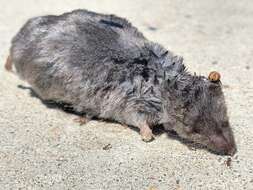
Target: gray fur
(104,67)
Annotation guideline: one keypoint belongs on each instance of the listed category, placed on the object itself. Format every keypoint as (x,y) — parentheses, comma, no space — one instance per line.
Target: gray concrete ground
(42,148)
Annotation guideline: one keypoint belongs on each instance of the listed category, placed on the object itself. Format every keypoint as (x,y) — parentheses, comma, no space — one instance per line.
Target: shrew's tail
(8,64)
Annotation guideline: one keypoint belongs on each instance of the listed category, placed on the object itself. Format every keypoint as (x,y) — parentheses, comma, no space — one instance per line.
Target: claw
(81,120)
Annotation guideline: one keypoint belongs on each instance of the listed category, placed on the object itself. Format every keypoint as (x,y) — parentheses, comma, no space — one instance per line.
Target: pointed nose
(224,145)
(232,150)
(229,138)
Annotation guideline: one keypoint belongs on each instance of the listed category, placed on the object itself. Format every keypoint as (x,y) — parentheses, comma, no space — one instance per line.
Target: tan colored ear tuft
(214,76)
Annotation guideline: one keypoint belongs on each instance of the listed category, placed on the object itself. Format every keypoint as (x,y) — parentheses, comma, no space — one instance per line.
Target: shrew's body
(103,66)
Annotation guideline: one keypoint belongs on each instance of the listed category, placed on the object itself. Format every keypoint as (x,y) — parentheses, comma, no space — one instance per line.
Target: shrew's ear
(215,83)
(214,77)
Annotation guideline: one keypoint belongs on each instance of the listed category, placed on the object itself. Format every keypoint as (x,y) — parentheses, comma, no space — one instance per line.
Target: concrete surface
(42,148)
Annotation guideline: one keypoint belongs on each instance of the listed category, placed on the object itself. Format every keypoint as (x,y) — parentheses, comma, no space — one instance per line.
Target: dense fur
(104,67)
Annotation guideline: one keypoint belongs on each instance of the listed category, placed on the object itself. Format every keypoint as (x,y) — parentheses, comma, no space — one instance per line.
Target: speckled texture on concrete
(42,148)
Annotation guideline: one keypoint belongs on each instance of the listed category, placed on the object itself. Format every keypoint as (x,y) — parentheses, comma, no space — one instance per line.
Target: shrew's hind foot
(81,120)
(146,133)
(8,64)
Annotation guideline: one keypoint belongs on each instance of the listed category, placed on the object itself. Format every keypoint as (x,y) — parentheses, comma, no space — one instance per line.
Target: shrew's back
(97,63)
(80,39)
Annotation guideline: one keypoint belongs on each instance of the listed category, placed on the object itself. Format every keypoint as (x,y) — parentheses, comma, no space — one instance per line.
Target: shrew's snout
(224,144)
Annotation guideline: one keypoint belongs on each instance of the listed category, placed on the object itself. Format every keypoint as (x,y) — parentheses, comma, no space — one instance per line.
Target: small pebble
(152,28)
(107,147)
(228,162)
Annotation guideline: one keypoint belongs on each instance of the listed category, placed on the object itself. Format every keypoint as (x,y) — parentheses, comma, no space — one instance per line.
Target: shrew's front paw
(146,133)
(81,120)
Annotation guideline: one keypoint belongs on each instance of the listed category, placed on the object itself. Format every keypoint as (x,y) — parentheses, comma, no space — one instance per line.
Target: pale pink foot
(8,64)
(81,120)
(146,133)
